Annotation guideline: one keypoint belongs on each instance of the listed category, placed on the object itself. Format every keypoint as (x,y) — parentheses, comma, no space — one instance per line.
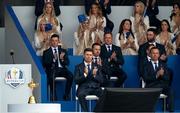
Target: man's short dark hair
(87,50)
(54,35)
(153,30)
(96,44)
(153,49)
(108,32)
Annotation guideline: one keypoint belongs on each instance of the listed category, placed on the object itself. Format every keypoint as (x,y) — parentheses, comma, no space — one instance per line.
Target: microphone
(12,55)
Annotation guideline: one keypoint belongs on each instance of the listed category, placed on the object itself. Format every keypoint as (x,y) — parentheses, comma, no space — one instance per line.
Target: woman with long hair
(125,38)
(97,22)
(52,23)
(175,18)
(41,39)
(140,22)
(165,37)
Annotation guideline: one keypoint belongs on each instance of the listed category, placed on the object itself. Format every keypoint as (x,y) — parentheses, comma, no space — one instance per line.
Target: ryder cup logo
(14,77)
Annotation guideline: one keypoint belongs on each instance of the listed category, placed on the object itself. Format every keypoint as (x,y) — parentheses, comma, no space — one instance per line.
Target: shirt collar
(157,62)
(54,48)
(108,45)
(85,63)
(153,43)
(95,57)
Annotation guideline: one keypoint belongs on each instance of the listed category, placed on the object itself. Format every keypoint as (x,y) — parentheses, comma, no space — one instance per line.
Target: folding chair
(59,79)
(89,98)
(161,96)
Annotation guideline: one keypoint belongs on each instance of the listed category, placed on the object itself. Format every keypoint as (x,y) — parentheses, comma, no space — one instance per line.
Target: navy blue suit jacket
(149,75)
(48,59)
(105,55)
(142,55)
(89,81)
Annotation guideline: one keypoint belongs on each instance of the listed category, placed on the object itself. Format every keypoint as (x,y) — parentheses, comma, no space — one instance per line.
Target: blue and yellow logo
(14,77)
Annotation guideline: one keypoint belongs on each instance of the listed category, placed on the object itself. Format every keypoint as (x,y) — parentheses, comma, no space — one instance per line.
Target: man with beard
(151,40)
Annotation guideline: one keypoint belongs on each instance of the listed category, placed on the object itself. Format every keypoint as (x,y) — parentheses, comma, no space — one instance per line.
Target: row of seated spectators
(102,62)
(135,37)
(132,31)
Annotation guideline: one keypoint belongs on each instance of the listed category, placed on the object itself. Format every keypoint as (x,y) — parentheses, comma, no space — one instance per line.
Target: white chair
(89,98)
(62,79)
(161,96)
(113,79)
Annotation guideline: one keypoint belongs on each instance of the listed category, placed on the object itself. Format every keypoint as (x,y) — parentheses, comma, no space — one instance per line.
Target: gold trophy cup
(32,85)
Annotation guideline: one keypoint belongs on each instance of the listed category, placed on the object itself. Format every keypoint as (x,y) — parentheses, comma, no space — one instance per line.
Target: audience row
(101,62)
(132,31)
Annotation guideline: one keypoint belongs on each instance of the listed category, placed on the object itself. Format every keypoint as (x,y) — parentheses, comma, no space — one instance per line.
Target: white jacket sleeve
(37,43)
(117,42)
(76,39)
(104,22)
(146,21)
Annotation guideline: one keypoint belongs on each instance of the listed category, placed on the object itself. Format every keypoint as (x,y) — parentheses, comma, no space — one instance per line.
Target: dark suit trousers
(61,72)
(83,92)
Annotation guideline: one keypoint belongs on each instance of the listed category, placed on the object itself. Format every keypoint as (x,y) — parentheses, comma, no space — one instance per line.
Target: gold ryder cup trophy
(32,85)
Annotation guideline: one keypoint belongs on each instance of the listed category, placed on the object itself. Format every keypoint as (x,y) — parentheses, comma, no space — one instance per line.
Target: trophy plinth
(32,85)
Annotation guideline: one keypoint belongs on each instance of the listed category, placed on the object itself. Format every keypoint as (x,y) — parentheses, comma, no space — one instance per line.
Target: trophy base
(31,100)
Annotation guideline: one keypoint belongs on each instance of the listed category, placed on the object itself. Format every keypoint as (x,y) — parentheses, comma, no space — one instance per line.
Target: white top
(146,22)
(126,51)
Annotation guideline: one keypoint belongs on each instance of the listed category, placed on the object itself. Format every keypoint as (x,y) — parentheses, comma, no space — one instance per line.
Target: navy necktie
(56,57)
(109,48)
(89,69)
(55,54)
(156,66)
(95,60)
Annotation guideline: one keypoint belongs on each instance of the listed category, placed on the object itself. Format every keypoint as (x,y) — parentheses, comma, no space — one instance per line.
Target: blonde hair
(52,16)
(142,8)
(44,9)
(99,9)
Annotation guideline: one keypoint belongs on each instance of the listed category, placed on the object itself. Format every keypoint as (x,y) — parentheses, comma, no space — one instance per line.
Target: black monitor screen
(128,100)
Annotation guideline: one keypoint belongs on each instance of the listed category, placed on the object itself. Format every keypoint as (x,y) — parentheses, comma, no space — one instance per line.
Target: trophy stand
(32,85)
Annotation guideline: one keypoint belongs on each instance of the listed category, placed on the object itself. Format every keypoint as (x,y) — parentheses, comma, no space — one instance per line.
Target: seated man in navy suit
(89,78)
(55,61)
(142,54)
(145,60)
(156,75)
(96,48)
(112,58)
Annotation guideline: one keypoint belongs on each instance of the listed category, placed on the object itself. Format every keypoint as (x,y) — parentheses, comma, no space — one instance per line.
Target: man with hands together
(156,75)
(89,78)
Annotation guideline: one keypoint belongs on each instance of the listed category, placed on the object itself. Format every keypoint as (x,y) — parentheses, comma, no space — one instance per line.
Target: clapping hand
(106,2)
(99,62)
(62,55)
(160,72)
(95,71)
(85,71)
(113,56)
